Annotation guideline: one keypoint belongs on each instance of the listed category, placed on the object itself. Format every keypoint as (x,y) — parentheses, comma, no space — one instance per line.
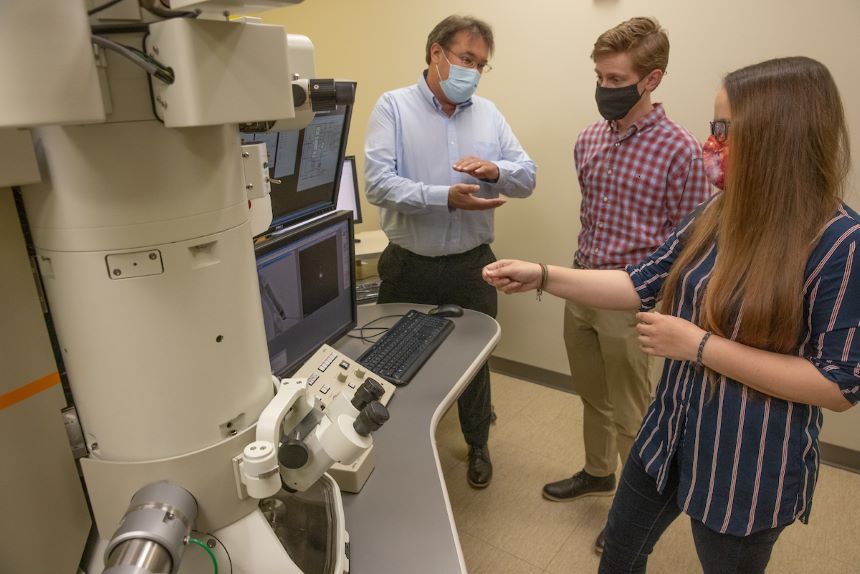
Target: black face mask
(615,103)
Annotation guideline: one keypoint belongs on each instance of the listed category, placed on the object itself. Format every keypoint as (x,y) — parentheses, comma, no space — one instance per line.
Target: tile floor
(509,528)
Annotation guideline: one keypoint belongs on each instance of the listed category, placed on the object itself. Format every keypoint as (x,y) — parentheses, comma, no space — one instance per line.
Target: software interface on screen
(305,165)
(306,288)
(347,195)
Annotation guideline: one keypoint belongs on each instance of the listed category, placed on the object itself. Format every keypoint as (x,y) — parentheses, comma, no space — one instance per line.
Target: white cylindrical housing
(149,269)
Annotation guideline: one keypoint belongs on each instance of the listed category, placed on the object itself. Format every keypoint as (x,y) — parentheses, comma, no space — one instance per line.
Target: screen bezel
(304,213)
(351,160)
(297,233)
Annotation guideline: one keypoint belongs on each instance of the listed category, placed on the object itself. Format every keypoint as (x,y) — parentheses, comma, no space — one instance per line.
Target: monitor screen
(307,290)
(305,165)
(347,195)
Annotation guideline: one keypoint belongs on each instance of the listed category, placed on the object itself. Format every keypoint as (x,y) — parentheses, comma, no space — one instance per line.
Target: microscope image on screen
(276,319)
(306,289)
(318,269)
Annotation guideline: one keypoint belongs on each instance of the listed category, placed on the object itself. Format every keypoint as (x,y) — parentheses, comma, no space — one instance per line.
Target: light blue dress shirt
(410,150)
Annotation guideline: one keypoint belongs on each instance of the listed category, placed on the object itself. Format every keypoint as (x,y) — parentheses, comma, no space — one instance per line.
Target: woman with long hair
(758,293)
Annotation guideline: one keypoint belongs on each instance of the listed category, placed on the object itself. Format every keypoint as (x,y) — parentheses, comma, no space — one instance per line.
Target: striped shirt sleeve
(834,316)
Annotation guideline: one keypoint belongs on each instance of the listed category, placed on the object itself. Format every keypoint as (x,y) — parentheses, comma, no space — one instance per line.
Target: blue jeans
(640,515)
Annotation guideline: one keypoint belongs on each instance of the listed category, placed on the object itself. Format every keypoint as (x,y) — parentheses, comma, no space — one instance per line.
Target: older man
(438,158)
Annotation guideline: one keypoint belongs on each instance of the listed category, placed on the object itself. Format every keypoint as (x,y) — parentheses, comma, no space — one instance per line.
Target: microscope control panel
(329,372)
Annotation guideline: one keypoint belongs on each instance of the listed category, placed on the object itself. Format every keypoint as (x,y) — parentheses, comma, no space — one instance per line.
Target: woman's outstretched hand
(512,276)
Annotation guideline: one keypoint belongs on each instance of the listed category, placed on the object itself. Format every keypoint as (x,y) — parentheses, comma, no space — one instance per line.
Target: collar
(427,93)
(653,117)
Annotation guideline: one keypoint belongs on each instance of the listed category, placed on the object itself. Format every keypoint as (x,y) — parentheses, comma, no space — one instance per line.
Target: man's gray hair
(444,32)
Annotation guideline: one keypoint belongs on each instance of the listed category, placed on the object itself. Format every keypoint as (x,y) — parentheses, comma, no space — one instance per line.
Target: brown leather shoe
(480,468)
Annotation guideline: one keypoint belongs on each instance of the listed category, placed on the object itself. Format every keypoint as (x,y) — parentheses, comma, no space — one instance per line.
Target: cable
(227,552)
(208,550)
(369,338)
(166,13)
(367,325)
(149,64)
(104,6)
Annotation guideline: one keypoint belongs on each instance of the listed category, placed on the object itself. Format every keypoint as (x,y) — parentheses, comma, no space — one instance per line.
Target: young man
(639,173)
(437,160)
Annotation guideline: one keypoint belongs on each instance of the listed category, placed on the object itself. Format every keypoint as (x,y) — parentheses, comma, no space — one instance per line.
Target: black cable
(119,28)
(369,338)
(367,325)
(152,66)
(104,6)
(167,13)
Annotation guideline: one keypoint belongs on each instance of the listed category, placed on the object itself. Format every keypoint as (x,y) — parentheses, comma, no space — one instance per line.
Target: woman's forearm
(783,376)
(605,289)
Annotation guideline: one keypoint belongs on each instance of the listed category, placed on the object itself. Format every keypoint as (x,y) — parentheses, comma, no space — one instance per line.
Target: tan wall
(543,82)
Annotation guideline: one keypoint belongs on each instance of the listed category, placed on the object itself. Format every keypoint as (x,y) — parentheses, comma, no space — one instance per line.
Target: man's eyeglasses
(720,130)
(469,62)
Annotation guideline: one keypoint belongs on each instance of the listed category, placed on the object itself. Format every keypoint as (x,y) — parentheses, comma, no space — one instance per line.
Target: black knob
(368,392)
(299,96)
(293,454)
(370,418)
(344,93)
(323,94)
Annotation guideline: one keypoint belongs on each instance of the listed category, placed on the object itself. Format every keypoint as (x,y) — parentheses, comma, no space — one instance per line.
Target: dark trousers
(410,278)
(640,515)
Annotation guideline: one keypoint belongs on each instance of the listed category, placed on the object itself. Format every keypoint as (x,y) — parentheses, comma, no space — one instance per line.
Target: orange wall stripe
(26,391)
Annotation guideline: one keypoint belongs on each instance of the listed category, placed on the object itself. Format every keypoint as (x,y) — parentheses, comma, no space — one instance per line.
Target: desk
(401,521)
(371,244)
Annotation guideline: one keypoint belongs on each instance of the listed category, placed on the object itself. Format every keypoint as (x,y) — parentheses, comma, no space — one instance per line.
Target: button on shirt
(410,150)
(636,187)
(749,461)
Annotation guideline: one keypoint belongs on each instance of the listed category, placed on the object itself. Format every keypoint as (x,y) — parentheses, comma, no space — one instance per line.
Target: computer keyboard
(401,351)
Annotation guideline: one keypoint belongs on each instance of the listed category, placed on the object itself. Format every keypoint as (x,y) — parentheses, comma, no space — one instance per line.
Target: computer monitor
(307,279)
(348,196)
(305,165)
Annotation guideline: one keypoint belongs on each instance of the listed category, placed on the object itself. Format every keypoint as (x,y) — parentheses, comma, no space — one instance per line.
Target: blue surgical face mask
(461,83)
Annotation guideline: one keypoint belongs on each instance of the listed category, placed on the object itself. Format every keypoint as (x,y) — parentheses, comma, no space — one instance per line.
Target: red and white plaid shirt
(636,187)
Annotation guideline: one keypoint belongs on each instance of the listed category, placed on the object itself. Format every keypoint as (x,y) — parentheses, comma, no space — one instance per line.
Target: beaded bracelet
(699,364)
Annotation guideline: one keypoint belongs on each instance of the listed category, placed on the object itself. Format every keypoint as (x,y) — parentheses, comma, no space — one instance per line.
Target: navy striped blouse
(749,461)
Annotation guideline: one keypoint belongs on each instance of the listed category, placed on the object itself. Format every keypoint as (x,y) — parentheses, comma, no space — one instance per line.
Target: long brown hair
(787,162)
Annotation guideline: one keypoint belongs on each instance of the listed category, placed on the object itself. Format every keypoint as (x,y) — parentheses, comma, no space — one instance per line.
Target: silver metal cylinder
(151,537)
(139,556)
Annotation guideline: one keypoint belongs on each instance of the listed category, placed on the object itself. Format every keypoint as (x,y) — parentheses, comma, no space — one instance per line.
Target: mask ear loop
(438,73)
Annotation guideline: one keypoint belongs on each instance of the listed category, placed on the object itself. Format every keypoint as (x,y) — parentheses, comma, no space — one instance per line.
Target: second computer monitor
(307,278)
(348,196)
(305,165)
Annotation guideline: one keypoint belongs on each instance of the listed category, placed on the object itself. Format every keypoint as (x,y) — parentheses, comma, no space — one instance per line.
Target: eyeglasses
(720,130)
(468,62)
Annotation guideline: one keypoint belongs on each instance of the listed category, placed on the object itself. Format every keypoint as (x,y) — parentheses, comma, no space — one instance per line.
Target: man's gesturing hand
(462,196)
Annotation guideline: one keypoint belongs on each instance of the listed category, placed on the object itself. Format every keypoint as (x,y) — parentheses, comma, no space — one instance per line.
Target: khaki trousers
(611,375)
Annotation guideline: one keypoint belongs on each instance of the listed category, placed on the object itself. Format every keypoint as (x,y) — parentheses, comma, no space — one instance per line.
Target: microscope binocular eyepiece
(368,392)
(370,418)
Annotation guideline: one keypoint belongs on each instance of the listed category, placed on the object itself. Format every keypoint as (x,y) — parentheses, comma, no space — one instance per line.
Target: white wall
(543,82)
